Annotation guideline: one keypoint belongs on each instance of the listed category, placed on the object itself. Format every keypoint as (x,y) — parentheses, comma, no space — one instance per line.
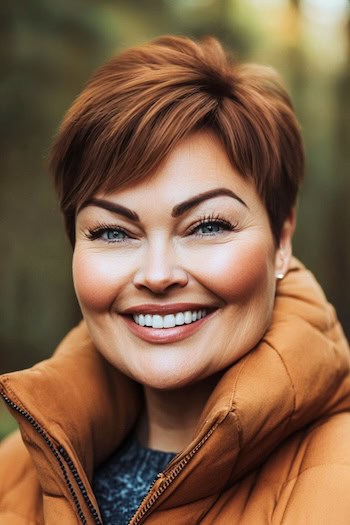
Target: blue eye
(212,227)
(209,228)
(108,234)
(113,235)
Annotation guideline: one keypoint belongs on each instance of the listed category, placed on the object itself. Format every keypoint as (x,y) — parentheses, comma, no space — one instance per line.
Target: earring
(280,275)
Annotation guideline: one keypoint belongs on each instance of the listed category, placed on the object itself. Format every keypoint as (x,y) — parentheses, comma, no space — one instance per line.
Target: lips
(164,309)
(171,334)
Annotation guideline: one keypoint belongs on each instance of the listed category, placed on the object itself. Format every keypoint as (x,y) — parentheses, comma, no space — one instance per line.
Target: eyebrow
(177,210)
(113,207)
(181,208)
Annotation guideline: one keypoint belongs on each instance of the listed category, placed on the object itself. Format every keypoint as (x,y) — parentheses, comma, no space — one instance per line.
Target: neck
(170,417)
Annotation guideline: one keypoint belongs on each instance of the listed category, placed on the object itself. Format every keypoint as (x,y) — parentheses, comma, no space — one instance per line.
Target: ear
(284,251)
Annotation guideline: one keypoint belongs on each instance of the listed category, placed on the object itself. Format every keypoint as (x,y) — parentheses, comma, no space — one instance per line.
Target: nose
(160,269)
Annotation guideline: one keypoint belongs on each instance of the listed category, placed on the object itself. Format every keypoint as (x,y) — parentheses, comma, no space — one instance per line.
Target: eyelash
(212,219)
(96,233)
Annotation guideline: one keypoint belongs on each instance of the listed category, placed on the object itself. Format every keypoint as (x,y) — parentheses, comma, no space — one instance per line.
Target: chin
(166,377)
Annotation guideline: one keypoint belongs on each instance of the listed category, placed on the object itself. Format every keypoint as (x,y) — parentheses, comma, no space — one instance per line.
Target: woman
(207,354)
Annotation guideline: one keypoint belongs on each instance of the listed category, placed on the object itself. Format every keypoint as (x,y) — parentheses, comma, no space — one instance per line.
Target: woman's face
(192,241)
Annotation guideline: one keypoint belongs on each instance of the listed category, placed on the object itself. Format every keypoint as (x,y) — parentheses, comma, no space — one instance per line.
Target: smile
(163,324)
(170,320)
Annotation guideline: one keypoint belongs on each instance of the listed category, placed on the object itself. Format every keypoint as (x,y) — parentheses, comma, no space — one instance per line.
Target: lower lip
(166,335)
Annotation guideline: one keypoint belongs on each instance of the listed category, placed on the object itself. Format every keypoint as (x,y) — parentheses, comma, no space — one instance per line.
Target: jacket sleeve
(319,493)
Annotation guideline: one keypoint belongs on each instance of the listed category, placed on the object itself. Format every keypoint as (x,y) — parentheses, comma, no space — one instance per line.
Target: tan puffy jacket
(272,445)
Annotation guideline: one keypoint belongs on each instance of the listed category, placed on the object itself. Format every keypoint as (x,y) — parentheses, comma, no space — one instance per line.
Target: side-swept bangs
(141,103)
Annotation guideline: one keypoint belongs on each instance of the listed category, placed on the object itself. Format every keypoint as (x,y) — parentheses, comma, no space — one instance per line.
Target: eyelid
(213,218)
(94,221)
(96,232)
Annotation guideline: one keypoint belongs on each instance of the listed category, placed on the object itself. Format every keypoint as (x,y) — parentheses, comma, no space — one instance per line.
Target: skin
(165,259)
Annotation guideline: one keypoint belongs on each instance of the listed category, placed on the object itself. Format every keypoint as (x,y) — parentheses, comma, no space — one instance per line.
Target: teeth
(188,317)
(170,320)
(157,321)
(179,319)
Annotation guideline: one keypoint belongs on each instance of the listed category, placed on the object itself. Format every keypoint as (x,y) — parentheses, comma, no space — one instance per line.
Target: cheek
(241,271)
(97,279)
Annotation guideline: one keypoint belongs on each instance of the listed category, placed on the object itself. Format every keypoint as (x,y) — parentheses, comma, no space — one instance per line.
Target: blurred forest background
(49,49)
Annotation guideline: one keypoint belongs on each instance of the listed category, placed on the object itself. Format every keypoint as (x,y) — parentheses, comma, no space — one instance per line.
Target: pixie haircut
(140,104)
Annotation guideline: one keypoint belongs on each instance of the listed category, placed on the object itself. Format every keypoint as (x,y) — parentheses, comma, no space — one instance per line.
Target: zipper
(68,461)
(80,484)
(145,507)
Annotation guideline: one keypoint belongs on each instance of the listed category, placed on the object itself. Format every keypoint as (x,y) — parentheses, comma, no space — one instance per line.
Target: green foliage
(7,423)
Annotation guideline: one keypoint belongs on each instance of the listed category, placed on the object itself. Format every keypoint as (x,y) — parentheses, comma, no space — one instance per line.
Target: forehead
(197,164)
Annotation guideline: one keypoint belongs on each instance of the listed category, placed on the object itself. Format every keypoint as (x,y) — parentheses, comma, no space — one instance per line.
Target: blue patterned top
(122,482)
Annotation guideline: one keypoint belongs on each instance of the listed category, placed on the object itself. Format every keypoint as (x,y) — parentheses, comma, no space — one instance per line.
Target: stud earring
(280,275)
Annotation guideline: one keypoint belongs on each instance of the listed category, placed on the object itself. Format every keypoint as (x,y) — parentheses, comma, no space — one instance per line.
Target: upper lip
(163,309)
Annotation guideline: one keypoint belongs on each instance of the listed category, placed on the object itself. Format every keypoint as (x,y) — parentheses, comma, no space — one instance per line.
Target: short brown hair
(140,104)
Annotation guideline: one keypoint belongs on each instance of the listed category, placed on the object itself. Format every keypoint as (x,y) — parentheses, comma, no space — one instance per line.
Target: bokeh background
(48,50)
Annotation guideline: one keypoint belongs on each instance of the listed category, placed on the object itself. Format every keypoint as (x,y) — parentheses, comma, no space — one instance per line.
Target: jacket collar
(297,374)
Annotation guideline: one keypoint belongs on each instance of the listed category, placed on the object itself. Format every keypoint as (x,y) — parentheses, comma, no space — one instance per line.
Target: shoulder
(20,493)
(313,471)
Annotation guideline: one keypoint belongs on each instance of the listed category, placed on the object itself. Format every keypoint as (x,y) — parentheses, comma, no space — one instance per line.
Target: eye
(210,227)
(109,234)
(113,235)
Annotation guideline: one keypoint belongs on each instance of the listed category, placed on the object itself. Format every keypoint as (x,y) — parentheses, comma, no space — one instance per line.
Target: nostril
(160,287)
(159,277)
